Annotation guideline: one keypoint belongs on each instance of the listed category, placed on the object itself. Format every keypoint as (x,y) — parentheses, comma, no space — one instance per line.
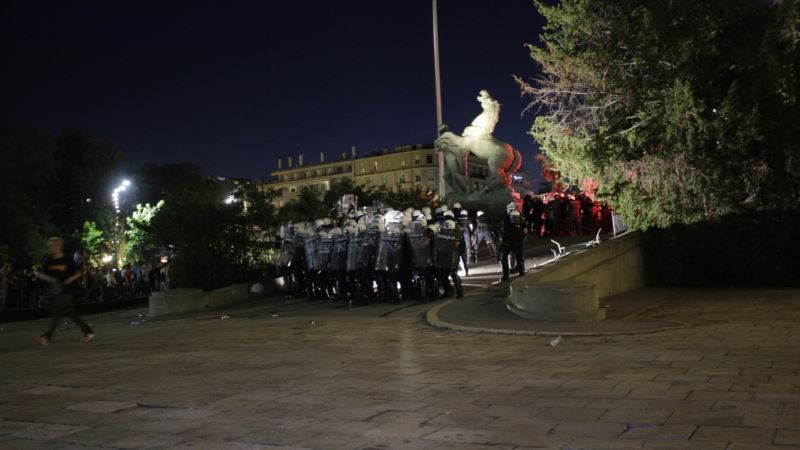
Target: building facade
(404,168)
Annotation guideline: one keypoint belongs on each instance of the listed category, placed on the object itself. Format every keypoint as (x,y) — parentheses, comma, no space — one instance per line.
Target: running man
(61,272)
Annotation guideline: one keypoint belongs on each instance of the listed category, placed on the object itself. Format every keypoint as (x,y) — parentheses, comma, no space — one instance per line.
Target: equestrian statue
(503,160)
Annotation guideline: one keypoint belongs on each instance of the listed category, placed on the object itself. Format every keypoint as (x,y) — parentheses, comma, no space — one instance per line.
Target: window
(363,169)
(292,189)
(417,178)
(403,163)
(349,168)
(416,160)
(375,165)
(402,178)
(429,159)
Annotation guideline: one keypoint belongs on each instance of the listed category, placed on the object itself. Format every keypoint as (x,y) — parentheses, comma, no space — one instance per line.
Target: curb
(432,318)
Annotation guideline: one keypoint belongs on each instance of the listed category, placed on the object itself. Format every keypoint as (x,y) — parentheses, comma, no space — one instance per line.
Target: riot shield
(325,251)
(369,248)
(311,244)
(388,254)
(287,251)
(445,249)
(419,244)
(355,247)
(338,259)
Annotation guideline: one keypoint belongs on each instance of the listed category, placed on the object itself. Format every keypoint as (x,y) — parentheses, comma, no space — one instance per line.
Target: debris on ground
(555,341)
(224,317)
(275,315)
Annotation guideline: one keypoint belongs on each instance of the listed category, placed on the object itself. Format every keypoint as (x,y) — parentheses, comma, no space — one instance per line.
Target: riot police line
(378,254)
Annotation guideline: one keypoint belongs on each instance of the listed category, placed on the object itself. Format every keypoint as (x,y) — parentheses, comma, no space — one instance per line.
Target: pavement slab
(379,377)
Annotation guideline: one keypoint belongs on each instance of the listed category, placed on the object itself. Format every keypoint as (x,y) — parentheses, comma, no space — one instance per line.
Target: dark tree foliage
(684,110)
(51,187)
(85,172)
(213,243)
(26,171)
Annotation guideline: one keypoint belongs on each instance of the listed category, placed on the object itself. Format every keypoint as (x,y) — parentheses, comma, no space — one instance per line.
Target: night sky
(234,85)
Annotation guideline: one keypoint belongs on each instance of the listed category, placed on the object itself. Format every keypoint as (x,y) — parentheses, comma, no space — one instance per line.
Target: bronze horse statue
(502,159)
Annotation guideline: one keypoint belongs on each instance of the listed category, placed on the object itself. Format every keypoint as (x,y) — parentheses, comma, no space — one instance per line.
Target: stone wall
(615,266)
(569,289)
(176,301)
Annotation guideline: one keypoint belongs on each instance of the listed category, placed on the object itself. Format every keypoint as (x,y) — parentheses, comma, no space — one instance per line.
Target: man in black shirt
(60,271)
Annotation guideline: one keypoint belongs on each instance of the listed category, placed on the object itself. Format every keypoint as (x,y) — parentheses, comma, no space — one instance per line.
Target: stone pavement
(378,377)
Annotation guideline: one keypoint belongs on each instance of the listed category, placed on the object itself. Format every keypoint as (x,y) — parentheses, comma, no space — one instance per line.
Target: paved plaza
(310,375)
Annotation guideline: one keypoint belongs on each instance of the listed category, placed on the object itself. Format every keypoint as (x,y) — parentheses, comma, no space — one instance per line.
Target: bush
(761,248)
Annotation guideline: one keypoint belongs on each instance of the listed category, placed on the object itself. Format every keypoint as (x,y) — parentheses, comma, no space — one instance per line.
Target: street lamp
(115,197)
(437,75)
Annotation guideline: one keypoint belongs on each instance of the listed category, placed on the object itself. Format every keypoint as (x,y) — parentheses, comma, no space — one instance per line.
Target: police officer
(418,237)
(387,260)
(483,233)
(338,262)
(457,210)
(324,254)
(287,258)
(464,249)
(311,249)
(373,222)
(445,250)
(357,273)
(513,231)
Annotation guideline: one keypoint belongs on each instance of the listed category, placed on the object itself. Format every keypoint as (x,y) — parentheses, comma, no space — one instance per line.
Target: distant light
(126,183)
(230,199)
(88,200)
(107,258)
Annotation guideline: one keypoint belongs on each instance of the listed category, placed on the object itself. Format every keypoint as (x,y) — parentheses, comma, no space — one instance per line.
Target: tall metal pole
(439,120)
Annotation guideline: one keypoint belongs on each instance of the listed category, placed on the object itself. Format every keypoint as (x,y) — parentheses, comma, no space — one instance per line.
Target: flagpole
(437,73)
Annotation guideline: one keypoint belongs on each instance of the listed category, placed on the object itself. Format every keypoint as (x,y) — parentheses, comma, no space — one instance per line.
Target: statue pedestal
(492,203)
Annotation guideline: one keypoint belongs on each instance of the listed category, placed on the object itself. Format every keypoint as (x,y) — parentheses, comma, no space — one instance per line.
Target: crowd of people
(20,289)
(560,214)
(139,279)
(384,255)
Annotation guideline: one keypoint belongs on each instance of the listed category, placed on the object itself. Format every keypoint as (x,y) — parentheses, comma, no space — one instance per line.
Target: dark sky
(233,85)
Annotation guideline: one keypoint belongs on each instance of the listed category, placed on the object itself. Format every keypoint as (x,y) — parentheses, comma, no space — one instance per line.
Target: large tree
(26,170)
(85,174)
(682,109)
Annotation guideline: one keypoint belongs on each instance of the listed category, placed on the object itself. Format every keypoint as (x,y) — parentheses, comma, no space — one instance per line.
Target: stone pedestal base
(557,301)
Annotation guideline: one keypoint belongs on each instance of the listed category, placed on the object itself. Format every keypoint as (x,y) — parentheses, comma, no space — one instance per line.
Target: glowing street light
(115,197)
